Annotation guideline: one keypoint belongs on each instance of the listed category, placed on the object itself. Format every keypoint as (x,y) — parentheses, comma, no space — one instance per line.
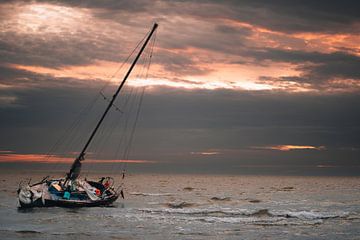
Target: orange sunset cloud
(41,158)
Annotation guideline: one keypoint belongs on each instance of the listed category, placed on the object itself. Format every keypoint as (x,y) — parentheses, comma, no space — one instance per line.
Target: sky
(233,87)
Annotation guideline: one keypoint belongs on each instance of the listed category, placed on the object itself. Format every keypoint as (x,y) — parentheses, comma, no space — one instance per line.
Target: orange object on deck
(97,192)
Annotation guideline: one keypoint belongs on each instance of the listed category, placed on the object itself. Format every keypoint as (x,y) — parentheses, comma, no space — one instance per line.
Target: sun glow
(226,77)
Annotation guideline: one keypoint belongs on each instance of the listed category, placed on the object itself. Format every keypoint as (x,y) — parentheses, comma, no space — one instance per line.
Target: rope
(71,130)
(127,150)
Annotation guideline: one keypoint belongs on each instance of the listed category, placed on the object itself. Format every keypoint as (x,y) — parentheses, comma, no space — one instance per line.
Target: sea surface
(160,206)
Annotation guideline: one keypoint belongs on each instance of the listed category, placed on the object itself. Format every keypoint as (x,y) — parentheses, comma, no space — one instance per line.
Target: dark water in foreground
(198,207)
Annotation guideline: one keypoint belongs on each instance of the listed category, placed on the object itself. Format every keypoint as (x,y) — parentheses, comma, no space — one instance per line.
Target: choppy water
(199,207)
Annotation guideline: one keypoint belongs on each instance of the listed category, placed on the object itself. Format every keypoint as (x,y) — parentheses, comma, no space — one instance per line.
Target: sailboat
(71,191)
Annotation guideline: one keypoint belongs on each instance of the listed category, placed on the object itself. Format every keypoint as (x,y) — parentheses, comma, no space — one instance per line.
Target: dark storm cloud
(279,15)
(116,5)
(175,123)
(316,67)
(303,16)
(97,41)
(232,123)
(58,50)
(206,36)
(287,16)
(86,45)
(179,64)
(126,5)
(82,49)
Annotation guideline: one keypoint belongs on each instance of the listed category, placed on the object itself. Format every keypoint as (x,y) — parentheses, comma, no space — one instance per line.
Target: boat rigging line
(76,166)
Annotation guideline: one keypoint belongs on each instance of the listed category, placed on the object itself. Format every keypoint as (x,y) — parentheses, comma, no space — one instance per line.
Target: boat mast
(76,166)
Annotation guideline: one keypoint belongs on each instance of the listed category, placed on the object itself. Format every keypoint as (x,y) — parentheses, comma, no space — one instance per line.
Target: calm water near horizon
(161,206)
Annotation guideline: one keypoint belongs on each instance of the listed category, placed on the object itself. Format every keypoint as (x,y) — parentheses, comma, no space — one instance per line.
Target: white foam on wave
(274,221)
(198,211)
(311,215)
(247,216)
(225,219)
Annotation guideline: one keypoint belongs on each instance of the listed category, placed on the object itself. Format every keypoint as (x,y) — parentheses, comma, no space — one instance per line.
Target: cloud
(226,76)
(330,71)
(323,65)
(291,147)
(55,36)
(205,153)
(209,38)
(285,16)
(118,5)
(326,166)
(41,158)
(175,122)
(304,16)
(6,101)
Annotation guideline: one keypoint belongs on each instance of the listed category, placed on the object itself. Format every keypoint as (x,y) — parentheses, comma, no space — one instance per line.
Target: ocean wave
(221,198)
(150,194)
(229,213)
(260,218)
(179,205)
(259,221)
(224,212)
(284,189)
(311,215)
(19,233)
(72,234)
(28,232)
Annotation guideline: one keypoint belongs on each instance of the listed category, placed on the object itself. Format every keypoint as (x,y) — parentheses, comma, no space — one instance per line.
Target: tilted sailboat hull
(70,203)
(44,194)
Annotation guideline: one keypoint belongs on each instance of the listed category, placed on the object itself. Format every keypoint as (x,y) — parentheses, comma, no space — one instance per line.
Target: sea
(193,206)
